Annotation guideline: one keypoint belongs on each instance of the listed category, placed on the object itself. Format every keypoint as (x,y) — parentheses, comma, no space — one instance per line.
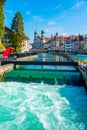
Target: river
(41,105)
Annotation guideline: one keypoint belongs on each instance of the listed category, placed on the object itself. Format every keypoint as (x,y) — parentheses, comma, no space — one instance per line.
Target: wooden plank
(43,63)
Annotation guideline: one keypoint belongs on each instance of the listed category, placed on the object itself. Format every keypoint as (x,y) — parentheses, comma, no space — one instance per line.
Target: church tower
(35,35)
(42,39)
(42,35)
(35,40)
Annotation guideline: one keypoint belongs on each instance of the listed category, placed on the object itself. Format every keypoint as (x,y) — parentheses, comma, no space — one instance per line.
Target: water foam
(41,106)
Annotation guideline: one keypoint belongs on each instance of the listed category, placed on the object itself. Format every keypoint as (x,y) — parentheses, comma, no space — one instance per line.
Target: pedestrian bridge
(41,63)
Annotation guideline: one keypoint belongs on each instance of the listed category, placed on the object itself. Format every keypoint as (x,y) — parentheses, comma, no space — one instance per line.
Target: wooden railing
(42,63)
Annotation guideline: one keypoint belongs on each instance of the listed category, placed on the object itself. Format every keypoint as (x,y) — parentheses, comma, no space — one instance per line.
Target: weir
(46,76)
(42,73)
(46,72)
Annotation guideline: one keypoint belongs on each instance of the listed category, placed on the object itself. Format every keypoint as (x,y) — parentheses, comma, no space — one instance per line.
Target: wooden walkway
(42,63)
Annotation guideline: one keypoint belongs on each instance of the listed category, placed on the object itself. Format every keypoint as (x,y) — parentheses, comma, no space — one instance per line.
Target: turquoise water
(50,57)
(49,100)
(39,106)
(80,57)
(44,67)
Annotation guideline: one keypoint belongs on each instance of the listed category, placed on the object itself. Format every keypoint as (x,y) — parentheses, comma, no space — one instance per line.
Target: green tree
(1,22)
(17,39)
(2,47)
(17,24)
(17,34)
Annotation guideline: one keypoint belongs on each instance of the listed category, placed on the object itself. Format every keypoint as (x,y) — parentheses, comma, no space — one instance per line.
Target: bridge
(50,63)
(82,69)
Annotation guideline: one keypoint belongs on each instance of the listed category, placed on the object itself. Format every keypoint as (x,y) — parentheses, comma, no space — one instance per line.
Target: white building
(69,47)
(58,42)
(28,46)
(86,44)
(41,42)
(54,43)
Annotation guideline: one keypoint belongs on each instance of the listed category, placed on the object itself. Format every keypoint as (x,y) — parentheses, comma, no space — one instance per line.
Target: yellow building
(26,46)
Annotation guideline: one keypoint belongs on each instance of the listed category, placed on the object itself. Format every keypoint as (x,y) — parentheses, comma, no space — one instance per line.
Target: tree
(2,47)
(1,22)
(17,28)
(2,2)
(17,39)
(17,24)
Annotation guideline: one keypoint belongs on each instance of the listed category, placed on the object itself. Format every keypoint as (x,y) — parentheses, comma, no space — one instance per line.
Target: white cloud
(79,4)
(59,6)
(38,18)
(62,14)
(10,12)
(51,23)
(27,13)
(54,29)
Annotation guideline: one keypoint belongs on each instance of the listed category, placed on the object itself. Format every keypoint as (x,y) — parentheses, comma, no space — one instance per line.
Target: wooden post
(14,66)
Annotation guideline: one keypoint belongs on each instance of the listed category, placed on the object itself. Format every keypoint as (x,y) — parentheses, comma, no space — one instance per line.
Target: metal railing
(83,68)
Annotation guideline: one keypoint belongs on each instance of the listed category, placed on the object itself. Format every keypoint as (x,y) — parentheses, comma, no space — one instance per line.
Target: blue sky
(63,16)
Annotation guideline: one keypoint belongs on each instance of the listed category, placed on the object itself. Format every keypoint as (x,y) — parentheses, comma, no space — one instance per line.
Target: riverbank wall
(7,67)
(84,76)
(4,69)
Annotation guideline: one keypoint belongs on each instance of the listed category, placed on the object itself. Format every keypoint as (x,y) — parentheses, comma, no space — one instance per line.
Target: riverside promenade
(5,66)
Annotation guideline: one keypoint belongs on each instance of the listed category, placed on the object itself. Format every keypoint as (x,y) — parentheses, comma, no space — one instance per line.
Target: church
(55,43)
(41,42)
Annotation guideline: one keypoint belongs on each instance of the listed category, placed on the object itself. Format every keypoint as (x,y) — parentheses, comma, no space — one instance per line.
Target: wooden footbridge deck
(47,63)
(41,63)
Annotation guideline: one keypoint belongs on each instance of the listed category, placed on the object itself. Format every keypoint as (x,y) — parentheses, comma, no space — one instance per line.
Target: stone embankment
(27,58)
(7,67)
(4,69)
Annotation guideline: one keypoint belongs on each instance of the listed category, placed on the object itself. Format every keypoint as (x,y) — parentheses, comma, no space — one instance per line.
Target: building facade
(25,45)
(58,42)
(6,40)
(74,43)
(55,43)
(41,42)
